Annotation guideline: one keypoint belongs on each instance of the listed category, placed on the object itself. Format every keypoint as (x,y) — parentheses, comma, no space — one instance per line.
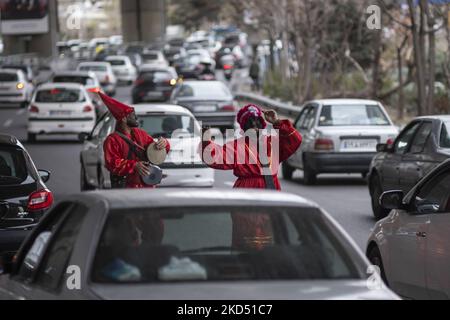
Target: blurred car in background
(422,145)
(154,84)
(27,70)
(154,57)
(210,101)
(104,73)
(190,67)
(339,136)
(123,68)
(183,166)
(189,249)
(24,197)
(15,89)
(60,108)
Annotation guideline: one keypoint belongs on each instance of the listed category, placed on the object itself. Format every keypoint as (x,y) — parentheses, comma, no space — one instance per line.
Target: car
(86,78)
(171,53)
(339,136)
(123,68)
(60,108)
(95,42)
(410,245)
(27,70)
(176,244)
(422,145)
(155,57)
(183,166)
(210,101)
(154,84)
(24,197)
(104,73)
(14,88)
(190,68)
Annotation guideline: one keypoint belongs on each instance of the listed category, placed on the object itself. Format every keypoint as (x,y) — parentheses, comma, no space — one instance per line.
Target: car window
(309,119)
(13,167)
(404,140)
(206,89)
(74,79)
(58,252)
(301,119)
(93,68)
(444,139)
(59,95)
(228,244)
(96,131)
(163,125)
(352,115)
(434,196)
(106,128)
(118,62)
(8,77)
(421,137)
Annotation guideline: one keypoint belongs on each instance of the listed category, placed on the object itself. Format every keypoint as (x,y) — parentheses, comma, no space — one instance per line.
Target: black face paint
(132,120)
(253,123)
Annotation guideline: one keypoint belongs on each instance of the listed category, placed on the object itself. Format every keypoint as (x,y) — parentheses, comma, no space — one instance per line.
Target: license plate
(359,145)
(60,113)
(204,109)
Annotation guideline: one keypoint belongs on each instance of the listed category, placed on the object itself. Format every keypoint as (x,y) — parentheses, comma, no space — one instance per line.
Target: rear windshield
(8,77)
(220,244)
(156,75)
(93,68)
(352,115)
(13,167)
(74,79)
(117,62)
(150,56)
(164,125)
(206,89)
(58,95)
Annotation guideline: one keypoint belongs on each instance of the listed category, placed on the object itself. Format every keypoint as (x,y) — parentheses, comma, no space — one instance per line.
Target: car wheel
(31,137)
(287,170)
(374,257)
(376,191)
(84,186)
(309,176)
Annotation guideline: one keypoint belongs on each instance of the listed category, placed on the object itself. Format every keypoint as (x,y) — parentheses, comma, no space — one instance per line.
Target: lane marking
(20,112)
(7,123)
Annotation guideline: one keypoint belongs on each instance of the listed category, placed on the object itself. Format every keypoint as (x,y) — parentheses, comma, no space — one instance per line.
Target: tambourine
(155,176)
(154,155)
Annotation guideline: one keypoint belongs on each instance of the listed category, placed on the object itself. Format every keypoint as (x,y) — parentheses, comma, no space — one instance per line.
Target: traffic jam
(169,171)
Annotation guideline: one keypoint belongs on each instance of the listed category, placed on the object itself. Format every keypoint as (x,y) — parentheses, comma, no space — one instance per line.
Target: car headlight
(20,85)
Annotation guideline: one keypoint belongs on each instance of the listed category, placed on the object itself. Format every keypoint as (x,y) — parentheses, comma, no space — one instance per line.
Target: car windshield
(93,68)
(206,89)
(8,77)
(444,140)
(13,167)
(164,125)
(58,95)
(220,244)
(117,62)
(74,79)
(352,115)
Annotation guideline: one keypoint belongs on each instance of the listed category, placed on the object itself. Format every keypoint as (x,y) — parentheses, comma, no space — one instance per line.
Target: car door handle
(421,234)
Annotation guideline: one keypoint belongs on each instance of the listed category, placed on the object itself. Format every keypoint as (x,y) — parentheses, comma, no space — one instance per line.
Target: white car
(104,73)
(14,88)
(123,68)
(183,165)
(60,108)
(339,136)
(154,57)
(412,244)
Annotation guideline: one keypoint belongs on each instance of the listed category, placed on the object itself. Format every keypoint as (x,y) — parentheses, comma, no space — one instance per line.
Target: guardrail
(279,106)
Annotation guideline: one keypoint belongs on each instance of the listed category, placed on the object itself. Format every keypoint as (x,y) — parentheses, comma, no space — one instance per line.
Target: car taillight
(323,144)
(228,108)
(87,108)
(227,66)
(33,109)
(390,141)
(40,200)
(94,90)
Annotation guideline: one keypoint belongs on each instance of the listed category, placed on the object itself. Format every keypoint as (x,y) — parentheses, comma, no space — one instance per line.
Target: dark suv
(24,196)
(154,84)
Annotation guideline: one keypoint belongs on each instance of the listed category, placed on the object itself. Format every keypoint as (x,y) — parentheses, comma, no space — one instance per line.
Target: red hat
(250,111)
(118,109)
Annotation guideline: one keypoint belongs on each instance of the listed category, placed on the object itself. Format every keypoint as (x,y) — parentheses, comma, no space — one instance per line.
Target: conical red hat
(118,109)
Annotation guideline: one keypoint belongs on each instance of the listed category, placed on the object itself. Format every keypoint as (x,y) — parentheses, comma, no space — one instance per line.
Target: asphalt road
(345,197)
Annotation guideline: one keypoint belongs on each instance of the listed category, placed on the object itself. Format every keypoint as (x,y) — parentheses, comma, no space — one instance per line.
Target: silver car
(339,136)
(193,244)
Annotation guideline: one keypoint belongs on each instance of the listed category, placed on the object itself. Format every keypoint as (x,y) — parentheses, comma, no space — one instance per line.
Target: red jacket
(116,152)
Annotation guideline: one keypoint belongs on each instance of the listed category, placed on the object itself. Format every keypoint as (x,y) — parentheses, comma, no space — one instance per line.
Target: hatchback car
(339,136)
(210,101)
(123,68)
(154,57)
(60,108)
(154,84)
(183,244)
(104,73)
(411,245)
(183,166)
(15,89)
(24,197)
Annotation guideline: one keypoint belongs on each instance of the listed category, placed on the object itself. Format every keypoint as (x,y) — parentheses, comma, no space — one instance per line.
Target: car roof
(94,63)
(182,197)
(117,57)
(343,101)
(9,139)
(75,73)
(143,108)
(444,117)
(70,85)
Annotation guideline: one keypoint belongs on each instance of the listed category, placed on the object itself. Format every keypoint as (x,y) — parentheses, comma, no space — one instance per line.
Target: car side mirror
(391,200)
(44,174)
(83,136)
(6,262)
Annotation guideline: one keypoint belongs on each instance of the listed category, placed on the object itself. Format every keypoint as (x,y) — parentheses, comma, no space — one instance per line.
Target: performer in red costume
(122,163)
(243,156)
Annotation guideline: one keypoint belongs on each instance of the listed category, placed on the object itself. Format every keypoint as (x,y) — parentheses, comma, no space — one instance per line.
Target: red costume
(116,149)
